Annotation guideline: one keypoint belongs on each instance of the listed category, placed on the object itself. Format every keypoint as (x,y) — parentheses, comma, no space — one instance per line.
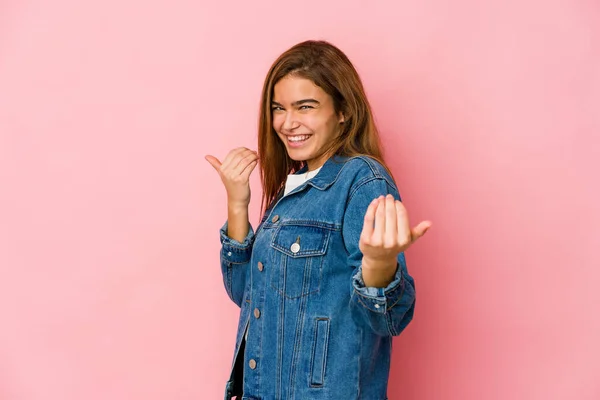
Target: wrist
(379,264)
(378,273)
(237,207)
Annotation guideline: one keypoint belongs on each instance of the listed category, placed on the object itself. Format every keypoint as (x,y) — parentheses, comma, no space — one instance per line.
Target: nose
(290,122)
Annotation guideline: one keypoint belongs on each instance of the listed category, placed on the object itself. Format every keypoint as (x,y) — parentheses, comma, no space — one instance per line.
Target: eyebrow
(297,103)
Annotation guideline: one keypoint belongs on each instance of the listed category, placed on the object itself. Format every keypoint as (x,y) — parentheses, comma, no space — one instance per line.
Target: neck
(314,164)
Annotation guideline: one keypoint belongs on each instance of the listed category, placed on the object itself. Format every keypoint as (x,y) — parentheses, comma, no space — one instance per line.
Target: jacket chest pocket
(297,265)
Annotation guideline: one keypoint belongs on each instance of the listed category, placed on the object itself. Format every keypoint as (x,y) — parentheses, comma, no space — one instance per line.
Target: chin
(298,159)
(298,155)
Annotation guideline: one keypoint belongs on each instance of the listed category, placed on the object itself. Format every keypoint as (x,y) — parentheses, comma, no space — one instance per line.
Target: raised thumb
(216,164)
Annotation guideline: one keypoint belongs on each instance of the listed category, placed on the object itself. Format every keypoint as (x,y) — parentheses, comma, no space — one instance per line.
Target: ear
(341,118)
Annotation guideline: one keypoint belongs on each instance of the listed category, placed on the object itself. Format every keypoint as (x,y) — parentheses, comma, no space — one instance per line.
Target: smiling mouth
(298,138)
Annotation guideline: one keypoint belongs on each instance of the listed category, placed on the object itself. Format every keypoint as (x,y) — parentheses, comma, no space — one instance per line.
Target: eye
(305,107)
(276,108)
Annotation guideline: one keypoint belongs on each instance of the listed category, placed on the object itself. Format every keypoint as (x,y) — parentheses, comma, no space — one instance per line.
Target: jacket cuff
(233,251)
(379,300)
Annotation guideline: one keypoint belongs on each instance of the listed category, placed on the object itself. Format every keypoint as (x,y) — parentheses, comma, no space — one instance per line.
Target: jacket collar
(328,173)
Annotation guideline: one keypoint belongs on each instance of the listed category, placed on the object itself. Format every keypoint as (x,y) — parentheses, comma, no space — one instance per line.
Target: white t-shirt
(293,180)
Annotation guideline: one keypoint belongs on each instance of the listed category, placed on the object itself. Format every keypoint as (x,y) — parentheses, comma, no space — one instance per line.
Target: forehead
(293,88)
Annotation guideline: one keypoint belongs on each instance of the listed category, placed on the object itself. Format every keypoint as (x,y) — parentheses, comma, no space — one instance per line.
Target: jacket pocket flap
(301,239)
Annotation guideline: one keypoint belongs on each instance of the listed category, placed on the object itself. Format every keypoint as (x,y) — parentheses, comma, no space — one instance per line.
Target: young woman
(322,283)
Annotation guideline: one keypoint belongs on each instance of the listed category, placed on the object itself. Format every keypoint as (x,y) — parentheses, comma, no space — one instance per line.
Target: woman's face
(304,119)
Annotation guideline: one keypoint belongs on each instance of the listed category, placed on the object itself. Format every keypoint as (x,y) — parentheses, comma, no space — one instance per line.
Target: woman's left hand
(386,232)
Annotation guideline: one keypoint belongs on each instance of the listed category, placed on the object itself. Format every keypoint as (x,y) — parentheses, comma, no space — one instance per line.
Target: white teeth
(298,138)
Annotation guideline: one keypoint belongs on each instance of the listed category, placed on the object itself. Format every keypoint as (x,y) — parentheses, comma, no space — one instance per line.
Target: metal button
(377,305)
(256,313)
(295,248)
(252,364)
(260,266)
(229,254)
(275,219)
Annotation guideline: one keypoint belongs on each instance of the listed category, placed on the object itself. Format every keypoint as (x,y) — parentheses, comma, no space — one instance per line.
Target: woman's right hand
(235,173)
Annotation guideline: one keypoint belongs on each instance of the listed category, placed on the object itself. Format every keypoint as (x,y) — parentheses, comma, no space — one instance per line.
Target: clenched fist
(235,173)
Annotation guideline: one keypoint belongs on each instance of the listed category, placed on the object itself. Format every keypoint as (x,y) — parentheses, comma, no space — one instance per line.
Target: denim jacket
(314,330)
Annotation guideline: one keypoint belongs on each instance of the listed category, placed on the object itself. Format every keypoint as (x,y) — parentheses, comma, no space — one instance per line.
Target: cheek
(317,124)
(277,121)
(332,125)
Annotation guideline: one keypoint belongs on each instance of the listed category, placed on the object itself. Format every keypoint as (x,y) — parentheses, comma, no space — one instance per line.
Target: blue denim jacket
(314,331)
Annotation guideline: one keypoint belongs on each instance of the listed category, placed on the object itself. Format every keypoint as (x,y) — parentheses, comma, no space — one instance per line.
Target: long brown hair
(330,69)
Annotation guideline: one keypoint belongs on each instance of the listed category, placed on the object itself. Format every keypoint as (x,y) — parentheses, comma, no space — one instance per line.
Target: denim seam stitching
(401,288)
(364,304)
(313,223)
(229,279)
(237,247)
(360,184)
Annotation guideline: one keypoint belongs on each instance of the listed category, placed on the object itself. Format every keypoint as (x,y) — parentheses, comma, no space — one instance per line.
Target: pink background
(110,285)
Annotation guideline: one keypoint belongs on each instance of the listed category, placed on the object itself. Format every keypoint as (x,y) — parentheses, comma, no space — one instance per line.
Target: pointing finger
(379,222)
(391,230)
(404,232)
(369,221)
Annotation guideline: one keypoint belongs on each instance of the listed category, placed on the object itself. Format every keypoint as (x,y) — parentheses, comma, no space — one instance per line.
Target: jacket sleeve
(235,258)
(386,311)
